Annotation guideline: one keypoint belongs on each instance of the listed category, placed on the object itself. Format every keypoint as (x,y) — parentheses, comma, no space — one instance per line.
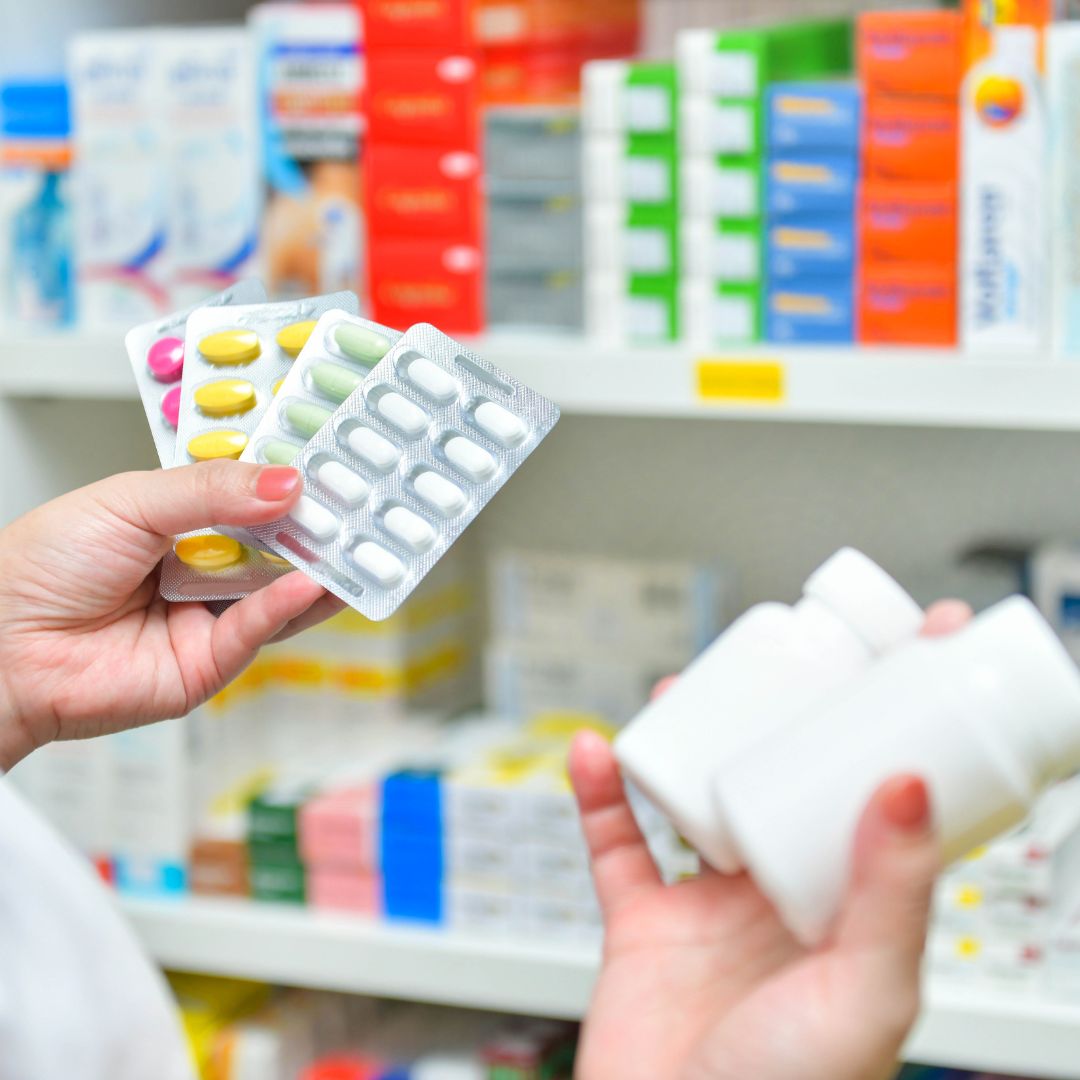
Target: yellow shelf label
(754,381)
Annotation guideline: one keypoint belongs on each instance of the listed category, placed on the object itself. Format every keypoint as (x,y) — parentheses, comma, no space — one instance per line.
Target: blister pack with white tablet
(403,466)
(340,353)
(156,352)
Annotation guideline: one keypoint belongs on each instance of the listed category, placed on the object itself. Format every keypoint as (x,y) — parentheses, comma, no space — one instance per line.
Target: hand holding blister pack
(156,352)
(235,359)
(785,726)
(402,467)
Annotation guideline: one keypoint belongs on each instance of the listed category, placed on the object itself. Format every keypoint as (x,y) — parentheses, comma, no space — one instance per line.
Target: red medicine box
(408,23)
(423,98)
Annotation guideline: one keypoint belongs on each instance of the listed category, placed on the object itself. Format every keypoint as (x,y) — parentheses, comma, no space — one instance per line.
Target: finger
(173,501)
(324,608)
(663,686)
(621,862)
(241,631)
(946,617)
(896,860)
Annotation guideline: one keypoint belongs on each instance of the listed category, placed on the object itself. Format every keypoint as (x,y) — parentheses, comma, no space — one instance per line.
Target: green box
(651,98)
(724,249)
(651,171)
(651,240)
(273,815)
(652,307)
(276,873)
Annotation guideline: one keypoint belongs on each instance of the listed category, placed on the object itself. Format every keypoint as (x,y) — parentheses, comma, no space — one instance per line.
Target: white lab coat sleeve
(78,998)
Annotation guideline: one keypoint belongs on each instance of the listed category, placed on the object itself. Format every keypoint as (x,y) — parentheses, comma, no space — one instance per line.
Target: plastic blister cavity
(156,352)
(403,466)
(341,351)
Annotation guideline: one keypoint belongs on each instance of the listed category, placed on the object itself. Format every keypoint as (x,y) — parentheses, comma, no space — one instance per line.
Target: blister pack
(340,353)
(156,352)
(403,466)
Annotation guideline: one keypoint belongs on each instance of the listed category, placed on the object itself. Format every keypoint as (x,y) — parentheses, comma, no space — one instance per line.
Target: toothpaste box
(909,54)
(1003,262)
(911,304)
(813,116)
(1063,63)
(911,140)
(211,134)
(810,183)
(120,178)
(822,245)
(720,312)
(902,222)
(811,311)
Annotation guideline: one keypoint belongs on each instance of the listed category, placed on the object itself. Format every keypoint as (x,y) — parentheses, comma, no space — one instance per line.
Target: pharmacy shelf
(849,385)
(962,1028)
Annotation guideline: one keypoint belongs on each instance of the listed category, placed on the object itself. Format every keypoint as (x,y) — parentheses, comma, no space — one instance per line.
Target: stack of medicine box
(812,180)
(996,913)
(594,634)
(910,64)
(534,217)
(423,170)
(723,76)
(629,118)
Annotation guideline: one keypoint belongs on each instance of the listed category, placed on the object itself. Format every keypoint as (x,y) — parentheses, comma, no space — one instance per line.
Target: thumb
(896,860)
(172,501)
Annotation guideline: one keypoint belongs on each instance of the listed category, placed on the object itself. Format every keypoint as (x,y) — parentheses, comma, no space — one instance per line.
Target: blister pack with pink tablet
(156,352)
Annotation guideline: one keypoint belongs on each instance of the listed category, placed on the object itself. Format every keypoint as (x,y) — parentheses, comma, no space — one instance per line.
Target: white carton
(1063,76)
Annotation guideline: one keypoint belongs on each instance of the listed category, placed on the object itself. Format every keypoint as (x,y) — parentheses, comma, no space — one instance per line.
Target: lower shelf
(297,947)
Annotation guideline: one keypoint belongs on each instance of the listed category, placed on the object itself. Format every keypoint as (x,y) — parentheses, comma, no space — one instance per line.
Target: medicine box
(536,300)
(911,140)
(911,53)
(741,63)
(629,97)
(631,240)
(534,234)
(402,24)
(719,312)
(907,303)
(1063,77)
(709,126)
(532,144)
(813,116)
(811,183)
(639,169)
(423,191)
(820,245)
(907,222)
(423,97)
(722,249)
(634,307)
(721,186)
(811,312)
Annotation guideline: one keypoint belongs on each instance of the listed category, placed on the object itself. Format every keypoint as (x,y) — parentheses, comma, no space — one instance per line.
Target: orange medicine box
(900,222)
(911,53)
(906,139)
(410,23)
(422,191)
(902,304)
(435,281)
(423,97)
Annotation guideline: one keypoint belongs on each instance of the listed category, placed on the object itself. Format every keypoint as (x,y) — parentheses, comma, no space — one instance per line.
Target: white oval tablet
(501,424)
(432,379)
(439,492)
(318,522)
(377,451)
(382,565)
(402,413)
(411,529)
(343,482)
(472,459)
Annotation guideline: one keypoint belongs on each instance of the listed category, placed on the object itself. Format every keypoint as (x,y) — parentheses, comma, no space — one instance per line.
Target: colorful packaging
(121,179)
(811,312)
(310,83)
(211,133)
(631,240)
(374,524)
(810,183)
(822,245)
(642,307)
(156,353)
(1063,60)
(911,53)
(630,98)
(909,304)
(912,140)
(717,311)
(726,187)
(641,169)
(722,249)
(901,222)
(397,24)
(815,116)
(1003,195)
(37,282)
(335,360)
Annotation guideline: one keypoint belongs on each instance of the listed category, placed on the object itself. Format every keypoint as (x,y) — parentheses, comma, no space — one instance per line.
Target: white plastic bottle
(770,664)
(989,717)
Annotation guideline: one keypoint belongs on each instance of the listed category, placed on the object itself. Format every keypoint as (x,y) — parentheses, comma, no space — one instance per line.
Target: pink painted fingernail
(906,802)
(276,482)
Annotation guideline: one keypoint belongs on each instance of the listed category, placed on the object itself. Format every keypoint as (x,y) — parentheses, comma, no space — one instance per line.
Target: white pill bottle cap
(868,600)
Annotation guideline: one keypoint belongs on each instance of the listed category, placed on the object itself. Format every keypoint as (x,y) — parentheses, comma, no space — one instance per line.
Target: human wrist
(15,740)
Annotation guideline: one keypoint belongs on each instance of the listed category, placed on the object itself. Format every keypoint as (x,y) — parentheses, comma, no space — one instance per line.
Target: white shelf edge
(910,387)
(960,1027)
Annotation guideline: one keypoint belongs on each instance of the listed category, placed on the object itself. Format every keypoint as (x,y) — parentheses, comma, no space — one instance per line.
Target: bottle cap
(857,590)
(1030,684)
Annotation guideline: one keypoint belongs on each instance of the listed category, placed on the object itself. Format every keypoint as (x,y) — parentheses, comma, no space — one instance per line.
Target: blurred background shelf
(295,947)
(915,387)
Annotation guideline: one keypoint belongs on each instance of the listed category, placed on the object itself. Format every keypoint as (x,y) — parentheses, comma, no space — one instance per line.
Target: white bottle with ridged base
(989,717)
(770,664)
